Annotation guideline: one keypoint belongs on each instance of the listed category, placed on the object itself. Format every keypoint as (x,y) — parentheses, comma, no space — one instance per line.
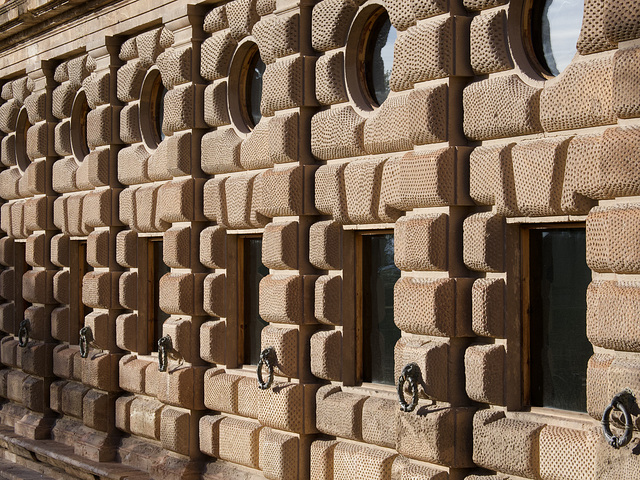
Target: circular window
(152,108)
(554,27)
(79,112)
(369,57)
(245,87)
(22,126)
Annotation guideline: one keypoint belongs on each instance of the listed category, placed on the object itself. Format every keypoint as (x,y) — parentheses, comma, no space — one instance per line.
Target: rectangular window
(377,277)
(558,278)
(252,272)
(156,269)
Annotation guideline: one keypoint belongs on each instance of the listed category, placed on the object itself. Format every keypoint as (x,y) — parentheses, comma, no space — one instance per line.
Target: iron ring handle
(618,404)
(164,345)
(410,373)
(266,357)
(23,333)
(86,336)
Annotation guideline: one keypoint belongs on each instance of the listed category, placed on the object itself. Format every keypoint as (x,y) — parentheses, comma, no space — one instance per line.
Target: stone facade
(471,145)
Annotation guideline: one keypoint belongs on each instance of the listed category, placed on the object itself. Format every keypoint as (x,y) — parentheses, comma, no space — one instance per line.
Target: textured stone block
(126,331)
(101,371)
(281,299)
(325,245)
(280,246)
(221,391)
(213,341)
(487,307)
(174,428)
(96,408)
(285,343)
(379,421)
(209,434)
(483,242)
(433,359)
(491,112)
(326,355)
(145,417)
(213,243)
(132,373)
(123,412)
(214,298)
(484,373)
(279,454)
(337,133)
(567,453)
(59,250)
(176,251)
(506,444)
(239,441)
(339,413)
(489,46)
(421,242)
(60,324)
(538,166)
(289,406)
(327,302)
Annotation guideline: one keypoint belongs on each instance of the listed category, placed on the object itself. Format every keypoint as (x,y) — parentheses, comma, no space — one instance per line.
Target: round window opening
(79,112)
(376,57)
(554,30)
(152,109)
(22,126)
(252,75)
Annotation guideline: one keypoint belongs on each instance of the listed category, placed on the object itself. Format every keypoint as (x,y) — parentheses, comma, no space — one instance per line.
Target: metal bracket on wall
(622,402)
(23,333)
(410,373)
(268,358)
(86,337)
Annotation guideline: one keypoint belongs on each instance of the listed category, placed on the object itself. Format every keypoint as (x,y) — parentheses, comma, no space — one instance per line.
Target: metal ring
(266,357)
(618,403)
(164,345)
(86,336)
(411,374)
(23,333)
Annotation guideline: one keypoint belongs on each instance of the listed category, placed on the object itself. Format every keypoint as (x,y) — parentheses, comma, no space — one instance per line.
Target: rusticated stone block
(37,286)
(337,133)
(176,252)
(278,454)
(280,246)
(213,341)
(483,242)
(221,391)
(487,307)
(60,324)
(281,192)
(63,361)
(421,242)
(6,251)
(433,359)
(506,444)
(423,53)
(327,305)
(59,250)
(174,428)
(285,343)
(214,299)
(281,299)
(209,434)
(582,96)
(72,399)
(330,195)
(101,371)
(34,252)
(289,406)
(213,243)
(339,413)
(491,112)
(126,328)
(484,373)
(379,421)
(100,289)
(282,85)
(132,373)
(239,441)
(538,166)
(128,290)
(567,453)
(330,23)
(489,46)
(126,248)
(183,387)
(428,307)
(326,355)
(96,407)
(325,245)
(145,417)
(177,293)
(98,249)
(181,338)
(419,180)
(175,201)
(123,412)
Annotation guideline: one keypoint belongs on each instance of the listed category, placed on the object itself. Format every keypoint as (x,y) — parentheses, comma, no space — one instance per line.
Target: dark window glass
(380,333)
(253,94)
(379,58)
(79,113)
(157,108)
(158,269)
(254,271)
(555,30)
(22,127)
(559,346)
